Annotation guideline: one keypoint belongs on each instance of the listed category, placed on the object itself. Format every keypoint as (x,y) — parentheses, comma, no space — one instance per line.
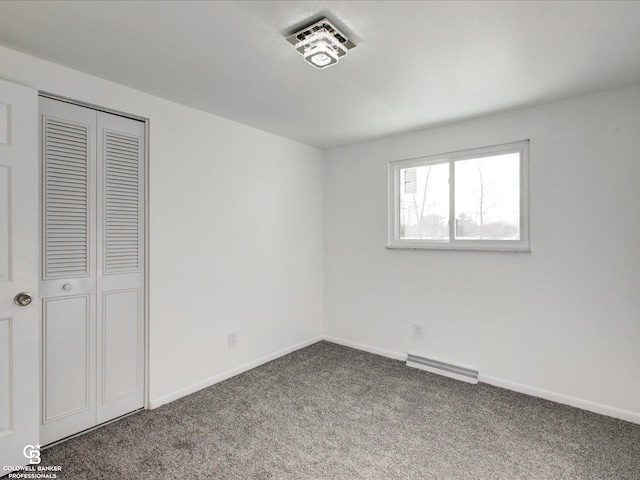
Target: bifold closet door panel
(120,264)
(68,269)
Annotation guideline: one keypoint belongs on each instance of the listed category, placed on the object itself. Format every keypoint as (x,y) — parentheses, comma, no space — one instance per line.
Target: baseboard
(580,403)
(158,402)
(587,405)
(366,348)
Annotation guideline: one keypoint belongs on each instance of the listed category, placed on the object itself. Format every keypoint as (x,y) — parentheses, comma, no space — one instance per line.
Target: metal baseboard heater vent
(442,368)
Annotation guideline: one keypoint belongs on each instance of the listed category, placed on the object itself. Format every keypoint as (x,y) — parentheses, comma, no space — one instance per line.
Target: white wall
(562,321)
(237,243)
(236,232)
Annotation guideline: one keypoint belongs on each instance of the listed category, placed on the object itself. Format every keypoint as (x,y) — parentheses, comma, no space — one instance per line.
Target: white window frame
(522,245)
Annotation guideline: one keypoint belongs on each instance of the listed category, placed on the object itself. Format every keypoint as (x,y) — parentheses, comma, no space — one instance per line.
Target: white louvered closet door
(67,285)
(120,287)
(92,283)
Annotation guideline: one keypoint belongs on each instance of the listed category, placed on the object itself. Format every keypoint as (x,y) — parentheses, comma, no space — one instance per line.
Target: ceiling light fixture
(321,44)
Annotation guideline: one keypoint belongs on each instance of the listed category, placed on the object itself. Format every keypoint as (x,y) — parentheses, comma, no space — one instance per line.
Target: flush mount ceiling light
(321,44)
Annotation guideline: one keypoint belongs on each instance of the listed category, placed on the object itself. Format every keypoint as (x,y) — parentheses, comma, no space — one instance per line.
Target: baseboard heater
(442,368)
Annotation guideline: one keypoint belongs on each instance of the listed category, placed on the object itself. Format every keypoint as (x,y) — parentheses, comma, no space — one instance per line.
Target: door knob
(23,299)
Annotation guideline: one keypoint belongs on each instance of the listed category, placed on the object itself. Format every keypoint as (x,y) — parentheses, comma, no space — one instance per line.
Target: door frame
(146,162)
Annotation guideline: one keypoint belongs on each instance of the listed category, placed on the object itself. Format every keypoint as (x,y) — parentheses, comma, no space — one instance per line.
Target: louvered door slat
(123,189)
(66,214)
(64,151)
(65,179)
(122,162)
(122,153)
(65,157)
(123,181)
(121,208)
(68,129)
(121,175)
(63,135)
(123,142)
(66,168)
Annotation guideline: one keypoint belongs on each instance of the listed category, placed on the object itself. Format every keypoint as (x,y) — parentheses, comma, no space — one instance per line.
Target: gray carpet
(330,412)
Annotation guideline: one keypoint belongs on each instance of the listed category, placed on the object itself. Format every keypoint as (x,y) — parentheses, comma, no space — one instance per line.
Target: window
(470,200)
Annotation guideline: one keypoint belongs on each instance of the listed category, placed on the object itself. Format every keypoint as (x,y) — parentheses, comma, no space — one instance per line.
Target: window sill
(485,247)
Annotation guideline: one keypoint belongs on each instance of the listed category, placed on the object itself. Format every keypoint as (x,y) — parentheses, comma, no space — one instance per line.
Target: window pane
(424,202)
(488,198)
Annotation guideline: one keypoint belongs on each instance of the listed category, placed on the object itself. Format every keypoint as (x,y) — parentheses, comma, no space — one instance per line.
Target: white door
(19,389)
(92,284)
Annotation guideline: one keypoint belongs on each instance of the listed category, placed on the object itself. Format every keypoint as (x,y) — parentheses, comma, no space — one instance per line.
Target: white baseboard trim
(366,348)
(588,405)
(158,402)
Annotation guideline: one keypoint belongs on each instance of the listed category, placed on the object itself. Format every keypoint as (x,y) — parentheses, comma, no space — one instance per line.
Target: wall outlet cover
(418,330)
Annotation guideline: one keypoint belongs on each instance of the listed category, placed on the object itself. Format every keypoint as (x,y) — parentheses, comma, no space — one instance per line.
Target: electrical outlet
(233,339)
(418,330)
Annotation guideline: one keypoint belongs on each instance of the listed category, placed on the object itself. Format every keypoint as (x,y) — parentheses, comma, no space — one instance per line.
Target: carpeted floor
(330,412)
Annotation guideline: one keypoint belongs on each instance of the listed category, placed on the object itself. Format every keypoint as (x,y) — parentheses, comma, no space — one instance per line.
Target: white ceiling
(416,64)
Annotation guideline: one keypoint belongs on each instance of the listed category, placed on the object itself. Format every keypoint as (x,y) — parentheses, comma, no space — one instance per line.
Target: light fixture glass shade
(321,49)
(320,56)
(321,59)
